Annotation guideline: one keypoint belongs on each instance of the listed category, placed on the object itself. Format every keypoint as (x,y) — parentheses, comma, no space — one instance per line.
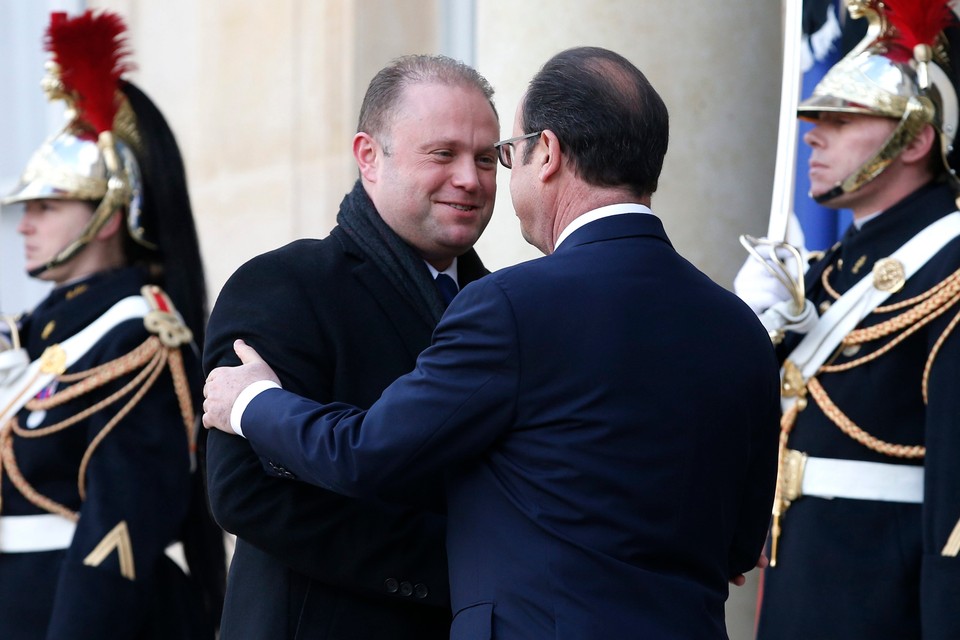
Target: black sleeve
(940,572)
(337,540)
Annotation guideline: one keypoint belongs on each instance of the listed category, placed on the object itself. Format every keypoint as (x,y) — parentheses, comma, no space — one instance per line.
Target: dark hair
(386,88)
(167,215)
(609,120)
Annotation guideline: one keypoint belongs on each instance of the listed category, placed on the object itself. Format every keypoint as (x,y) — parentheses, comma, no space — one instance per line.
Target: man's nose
(812,137)
(466,175)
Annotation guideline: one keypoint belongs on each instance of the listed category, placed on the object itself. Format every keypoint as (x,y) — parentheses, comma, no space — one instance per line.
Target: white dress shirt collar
(450,271)
(596,214)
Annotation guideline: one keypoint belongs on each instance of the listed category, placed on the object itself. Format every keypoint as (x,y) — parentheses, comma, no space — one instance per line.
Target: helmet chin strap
(67,254)
(918,112)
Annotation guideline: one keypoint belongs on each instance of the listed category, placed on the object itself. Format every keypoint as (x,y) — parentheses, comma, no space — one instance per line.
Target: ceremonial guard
(104,527)
(865,530)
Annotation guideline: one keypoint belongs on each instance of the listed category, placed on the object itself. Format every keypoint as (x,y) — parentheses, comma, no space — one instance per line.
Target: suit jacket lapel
(413,331)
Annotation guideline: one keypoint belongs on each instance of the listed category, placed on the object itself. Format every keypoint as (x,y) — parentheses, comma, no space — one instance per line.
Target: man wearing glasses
(606,416)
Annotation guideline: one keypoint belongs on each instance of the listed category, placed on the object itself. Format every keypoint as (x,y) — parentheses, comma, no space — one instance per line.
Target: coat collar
(613,227)
(879,237)
(412,328)
(71,307)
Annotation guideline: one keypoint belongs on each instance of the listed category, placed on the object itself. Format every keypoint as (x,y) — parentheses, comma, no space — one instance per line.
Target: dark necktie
(447,287)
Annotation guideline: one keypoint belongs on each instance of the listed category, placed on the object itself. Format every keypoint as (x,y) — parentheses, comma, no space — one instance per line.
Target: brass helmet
(900,70)
(94,157)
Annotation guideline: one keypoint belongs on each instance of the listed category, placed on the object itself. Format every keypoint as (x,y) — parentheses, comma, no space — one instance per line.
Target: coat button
(391,585)
(282,471)
(420,591)
(406,589)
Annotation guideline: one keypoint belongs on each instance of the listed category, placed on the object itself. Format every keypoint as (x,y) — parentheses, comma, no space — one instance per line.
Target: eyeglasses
(505,148)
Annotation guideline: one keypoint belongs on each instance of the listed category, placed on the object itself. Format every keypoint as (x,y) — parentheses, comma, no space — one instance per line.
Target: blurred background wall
(264,96)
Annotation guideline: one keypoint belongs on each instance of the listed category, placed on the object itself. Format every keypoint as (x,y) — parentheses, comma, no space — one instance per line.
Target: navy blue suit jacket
(607,421)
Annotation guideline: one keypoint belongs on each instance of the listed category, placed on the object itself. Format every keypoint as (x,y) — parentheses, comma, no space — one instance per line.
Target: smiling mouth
(462,207)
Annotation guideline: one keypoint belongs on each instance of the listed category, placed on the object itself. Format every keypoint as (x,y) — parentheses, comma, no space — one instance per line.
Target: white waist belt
(50,532)
(859,480)
(44,532)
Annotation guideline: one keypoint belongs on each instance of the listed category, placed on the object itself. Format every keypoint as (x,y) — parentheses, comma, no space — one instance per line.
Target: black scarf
(399,262)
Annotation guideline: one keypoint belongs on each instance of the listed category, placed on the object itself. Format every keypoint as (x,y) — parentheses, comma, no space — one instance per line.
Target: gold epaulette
(163,319)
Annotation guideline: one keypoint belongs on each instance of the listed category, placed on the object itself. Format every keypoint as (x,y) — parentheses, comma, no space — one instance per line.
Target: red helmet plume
(91,53)
(916,22)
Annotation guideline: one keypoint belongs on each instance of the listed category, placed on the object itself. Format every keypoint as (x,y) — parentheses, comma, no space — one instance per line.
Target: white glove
(13,362)
(781,318)
(760,288)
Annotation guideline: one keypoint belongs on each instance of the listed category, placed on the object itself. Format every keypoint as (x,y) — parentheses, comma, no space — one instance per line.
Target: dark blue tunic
(139,475)
(870,569)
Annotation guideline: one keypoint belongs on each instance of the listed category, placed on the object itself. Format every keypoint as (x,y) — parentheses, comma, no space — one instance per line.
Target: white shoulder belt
(857,303)
(855,479)
(17,392)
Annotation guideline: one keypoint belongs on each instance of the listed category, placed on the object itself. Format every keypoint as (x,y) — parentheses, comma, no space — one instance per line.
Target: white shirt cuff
(251,391)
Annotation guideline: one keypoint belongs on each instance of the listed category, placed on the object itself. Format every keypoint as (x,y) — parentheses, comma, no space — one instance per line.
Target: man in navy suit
(605,417)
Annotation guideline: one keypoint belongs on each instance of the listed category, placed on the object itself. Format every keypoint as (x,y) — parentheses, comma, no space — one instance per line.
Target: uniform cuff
(251,391)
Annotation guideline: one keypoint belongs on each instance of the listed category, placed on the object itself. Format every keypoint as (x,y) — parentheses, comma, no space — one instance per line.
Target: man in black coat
(343,317)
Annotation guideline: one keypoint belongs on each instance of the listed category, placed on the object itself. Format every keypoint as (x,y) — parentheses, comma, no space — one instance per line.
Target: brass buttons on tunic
(889,275)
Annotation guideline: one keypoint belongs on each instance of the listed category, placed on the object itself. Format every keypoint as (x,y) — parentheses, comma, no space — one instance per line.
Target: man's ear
(367,153)
(549,155)
(112,226)
(919,148)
